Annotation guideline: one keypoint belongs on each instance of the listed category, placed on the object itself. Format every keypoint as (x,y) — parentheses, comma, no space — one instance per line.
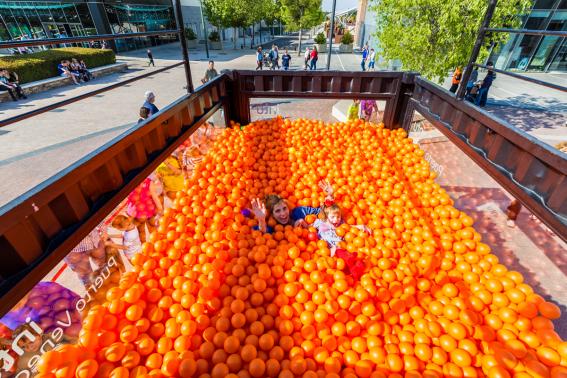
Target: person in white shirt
(307,56)
(371,60)
(131,242)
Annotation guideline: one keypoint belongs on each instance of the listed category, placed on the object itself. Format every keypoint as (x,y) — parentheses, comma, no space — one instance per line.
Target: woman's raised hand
(259,209)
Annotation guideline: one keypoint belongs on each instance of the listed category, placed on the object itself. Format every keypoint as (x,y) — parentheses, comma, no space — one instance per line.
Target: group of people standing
(311,56)
(368,57)
(476,90)
(271,59)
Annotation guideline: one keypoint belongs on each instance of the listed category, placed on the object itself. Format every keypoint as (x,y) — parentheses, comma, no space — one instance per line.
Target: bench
(58,81)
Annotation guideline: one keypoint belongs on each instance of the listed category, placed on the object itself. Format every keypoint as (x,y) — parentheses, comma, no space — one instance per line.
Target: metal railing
(485,28)
(59,104)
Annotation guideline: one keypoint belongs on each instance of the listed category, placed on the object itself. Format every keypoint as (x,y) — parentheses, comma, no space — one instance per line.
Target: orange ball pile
(211,297)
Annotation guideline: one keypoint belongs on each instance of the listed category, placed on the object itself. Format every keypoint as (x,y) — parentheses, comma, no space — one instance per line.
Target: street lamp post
(183,41)
(331,30)
(204,30)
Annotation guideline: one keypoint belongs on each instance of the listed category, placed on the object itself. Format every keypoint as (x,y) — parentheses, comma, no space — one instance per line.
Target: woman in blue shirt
(277,207)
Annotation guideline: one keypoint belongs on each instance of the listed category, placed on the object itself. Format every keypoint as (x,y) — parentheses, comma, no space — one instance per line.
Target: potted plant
(214,38)
(191,37)
(339,31)
(321,42)
(346,43)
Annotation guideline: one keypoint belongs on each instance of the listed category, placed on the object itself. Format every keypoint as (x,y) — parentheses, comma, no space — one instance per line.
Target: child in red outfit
(354,265)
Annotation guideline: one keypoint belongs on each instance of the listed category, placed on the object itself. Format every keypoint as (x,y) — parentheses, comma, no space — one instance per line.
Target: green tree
(302,14)
(272,12)
(434,36)
(229,14)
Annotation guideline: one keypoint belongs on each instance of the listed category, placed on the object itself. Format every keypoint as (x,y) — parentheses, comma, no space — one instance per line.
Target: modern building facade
(70,18)
(536,53)
(521,52)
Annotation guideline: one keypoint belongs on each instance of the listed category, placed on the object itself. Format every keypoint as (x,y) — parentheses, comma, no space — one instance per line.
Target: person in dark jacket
(485,86)
(286,58)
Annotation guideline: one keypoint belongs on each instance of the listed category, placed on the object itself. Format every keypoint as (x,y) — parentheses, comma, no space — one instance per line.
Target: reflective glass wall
(536,53)
(59,19)
(127,17)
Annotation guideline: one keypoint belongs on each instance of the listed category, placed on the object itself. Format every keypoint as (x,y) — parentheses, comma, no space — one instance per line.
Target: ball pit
(211,297)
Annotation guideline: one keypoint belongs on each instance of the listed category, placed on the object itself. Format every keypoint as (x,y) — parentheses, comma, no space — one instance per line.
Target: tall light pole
(183,40)
(204,30)
(331,30)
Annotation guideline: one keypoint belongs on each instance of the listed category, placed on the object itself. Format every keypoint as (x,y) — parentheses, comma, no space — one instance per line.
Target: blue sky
(341,5)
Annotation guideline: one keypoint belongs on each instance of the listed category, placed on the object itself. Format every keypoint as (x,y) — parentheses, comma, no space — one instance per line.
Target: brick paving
(528,247)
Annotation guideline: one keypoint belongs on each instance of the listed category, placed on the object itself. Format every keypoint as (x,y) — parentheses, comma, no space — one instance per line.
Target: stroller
(266,61)
(473,90)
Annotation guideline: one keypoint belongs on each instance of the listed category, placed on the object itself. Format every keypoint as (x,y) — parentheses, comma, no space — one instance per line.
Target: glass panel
(521,55)
(58,14)
(544,4)
(85,18)
(36,26)
(12,25)
(549,44)
(536,20)
(19,15)
(70,13)
(4,35)
(559,62)
(44,13)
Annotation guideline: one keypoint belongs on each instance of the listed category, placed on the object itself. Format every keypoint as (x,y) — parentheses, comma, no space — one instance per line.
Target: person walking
(371,60)
(306,58)
(259,59)
(151,58)
(286,59)
(456,79)
(314,58)
(485,86)
(210,73)
(364,57)
(275,57)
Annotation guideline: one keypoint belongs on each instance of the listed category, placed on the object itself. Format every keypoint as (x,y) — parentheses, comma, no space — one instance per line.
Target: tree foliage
(434,36)
(271,11)
(302,14)
(229,13)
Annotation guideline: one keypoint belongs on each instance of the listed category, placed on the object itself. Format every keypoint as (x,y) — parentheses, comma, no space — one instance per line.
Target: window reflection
(53,19)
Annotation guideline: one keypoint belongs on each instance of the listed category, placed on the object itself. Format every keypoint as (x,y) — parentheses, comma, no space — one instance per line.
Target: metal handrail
(552,33)
(88,38)
(59,104)
(525,78)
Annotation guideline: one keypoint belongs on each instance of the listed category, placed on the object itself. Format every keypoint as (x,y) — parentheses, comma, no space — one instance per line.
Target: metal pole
(184,51)
(476,48)
(331,31)
(204,30)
